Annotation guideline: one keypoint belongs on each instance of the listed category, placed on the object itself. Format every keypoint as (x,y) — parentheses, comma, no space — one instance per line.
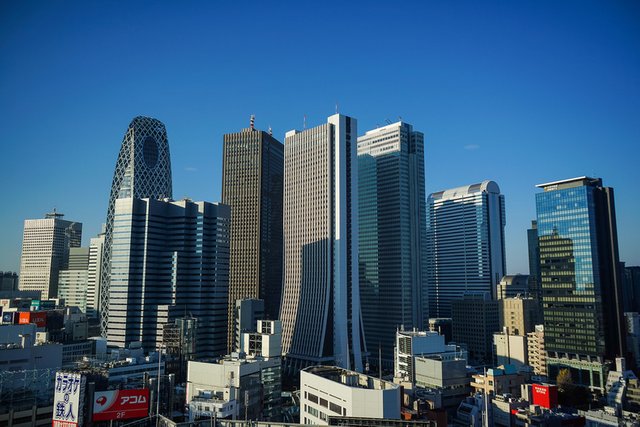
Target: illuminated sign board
(120,404)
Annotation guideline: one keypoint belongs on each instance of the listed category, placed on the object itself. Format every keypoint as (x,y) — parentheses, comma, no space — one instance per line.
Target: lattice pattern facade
(143,170)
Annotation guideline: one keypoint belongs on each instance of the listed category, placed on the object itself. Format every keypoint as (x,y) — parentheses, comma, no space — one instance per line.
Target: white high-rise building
(96,251)
(321,300)
(45,251)
(465,244)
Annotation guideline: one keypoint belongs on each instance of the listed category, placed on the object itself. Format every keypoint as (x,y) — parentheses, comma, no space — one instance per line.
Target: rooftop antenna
(388,121)
(270,131)
(400,118)
(304,122)
(252,121)
(336,108)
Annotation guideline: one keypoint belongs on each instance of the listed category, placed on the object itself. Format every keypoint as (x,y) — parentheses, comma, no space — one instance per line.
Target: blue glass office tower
(465,249)
(580,278)
(392,236)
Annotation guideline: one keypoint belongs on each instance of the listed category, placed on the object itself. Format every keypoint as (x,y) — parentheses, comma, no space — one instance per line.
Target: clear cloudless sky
(519,92)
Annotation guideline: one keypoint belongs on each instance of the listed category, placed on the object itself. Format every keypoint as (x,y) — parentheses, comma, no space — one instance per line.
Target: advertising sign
(120,404)
(39,318)
(68,399)
(545,395)
(8,317)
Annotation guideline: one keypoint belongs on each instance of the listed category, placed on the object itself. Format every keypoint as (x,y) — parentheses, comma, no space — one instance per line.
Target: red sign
(120,404)
(58,423)
(37,317)
(545,395)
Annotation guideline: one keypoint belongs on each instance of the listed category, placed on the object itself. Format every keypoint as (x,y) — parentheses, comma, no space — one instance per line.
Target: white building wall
(338,399)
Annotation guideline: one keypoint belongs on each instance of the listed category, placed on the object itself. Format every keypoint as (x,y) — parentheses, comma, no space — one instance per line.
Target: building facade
(518,315)
(96,252)
(321,298)
(143,170)
(8,281)
(536,354)
(252,179)
(45,251)
(72,285)
(330,391)
(580,278)
(465,249)
(392,224)
(168,259)
(476,317)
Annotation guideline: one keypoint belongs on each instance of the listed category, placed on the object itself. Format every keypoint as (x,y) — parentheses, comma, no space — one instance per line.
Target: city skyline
(509,97)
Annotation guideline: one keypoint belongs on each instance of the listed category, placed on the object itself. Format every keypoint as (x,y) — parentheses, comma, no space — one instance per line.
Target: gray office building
(252,179)
(72,284)
(392,224)
(169,259)
(143,170)
(45,251)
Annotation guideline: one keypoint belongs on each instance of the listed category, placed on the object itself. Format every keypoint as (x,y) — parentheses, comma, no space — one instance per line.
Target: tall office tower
(631,289)
(72,282)
(45,251)
(392,224)
(169,260)
(579,267)
(321,298)
(534,261)
(143,170)
(465,249)
(252,178)
(96,253)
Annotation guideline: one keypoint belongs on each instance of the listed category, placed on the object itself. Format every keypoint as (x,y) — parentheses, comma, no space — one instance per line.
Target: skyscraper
(579,269)
(143,169)
(392,224)
(45,251)
(534,261)
(169,259)
(96,253)
(321,298)
(465,249)
(252,178)
(72,284)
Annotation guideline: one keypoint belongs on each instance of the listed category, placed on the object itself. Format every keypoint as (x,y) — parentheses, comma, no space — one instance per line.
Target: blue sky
(519,92)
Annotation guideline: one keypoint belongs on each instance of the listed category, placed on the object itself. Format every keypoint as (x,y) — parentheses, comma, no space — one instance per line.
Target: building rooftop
(350,378)
(571,182)
(466,190)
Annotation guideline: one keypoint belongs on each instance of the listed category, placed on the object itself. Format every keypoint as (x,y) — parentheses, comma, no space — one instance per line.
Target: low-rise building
(500,380)
(327,391)
(510,349)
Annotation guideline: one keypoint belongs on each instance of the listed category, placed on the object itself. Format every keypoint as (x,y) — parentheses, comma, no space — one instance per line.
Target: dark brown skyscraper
(252,179)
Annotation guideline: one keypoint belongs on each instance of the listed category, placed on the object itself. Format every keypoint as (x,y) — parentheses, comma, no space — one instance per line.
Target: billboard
(120,404)
(39,318)
(544,395)
(68,400)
